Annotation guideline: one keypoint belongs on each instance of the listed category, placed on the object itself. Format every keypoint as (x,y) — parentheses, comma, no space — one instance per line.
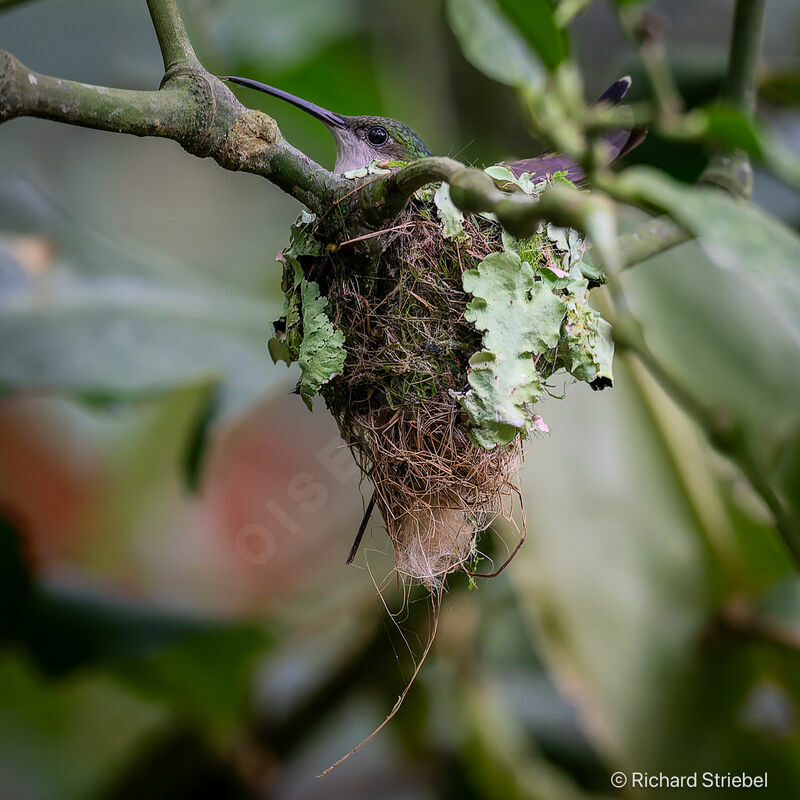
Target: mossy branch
(192,107)
(473,191)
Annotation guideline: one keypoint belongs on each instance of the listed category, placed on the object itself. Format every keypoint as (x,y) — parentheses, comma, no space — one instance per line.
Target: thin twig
(731,170)
(362,528)
(334,247)
(741,618)
(171,33)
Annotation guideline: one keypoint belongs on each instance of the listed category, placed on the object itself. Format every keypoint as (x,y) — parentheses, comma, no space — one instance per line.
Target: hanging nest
(413,338)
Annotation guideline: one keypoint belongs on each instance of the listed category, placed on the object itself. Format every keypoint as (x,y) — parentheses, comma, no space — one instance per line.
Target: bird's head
(359,140)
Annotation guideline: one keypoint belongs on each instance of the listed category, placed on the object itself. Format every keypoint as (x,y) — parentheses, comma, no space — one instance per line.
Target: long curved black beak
(322,114)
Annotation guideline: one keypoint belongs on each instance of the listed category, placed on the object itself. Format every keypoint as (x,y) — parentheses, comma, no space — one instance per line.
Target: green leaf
(322,352)
(491,44)
(67,740)
(567,10)
(724,336)
(736,236)
(509,182)
(521,318)
(727,127)
(125,337)
(536,21)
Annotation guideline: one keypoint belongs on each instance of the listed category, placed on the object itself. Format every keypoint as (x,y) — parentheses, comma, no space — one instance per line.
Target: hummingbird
(362,140)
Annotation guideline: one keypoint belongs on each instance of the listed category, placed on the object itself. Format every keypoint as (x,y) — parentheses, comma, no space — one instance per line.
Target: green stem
(171,33)
(732,171)
(748,22)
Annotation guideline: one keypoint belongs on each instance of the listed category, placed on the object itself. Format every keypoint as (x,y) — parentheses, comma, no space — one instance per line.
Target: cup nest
(408,347)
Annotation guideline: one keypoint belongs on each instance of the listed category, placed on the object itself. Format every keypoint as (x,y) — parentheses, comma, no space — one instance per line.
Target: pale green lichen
(322,354)
(531,302)
(586,348)
(521,319)
(371,169)
(304,333)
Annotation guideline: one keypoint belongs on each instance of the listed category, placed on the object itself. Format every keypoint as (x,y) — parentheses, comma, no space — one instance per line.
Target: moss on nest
(430,343)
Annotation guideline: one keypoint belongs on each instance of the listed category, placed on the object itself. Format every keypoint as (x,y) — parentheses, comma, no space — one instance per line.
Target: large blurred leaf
(736,236)
(492,45)
(727,332)
(623,573)
(119,336)
(63,741)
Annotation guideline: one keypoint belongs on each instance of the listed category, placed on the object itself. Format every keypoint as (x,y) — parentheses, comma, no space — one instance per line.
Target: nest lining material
(396,324)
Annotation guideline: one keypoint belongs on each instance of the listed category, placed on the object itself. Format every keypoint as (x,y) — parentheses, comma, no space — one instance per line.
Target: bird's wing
(620,142)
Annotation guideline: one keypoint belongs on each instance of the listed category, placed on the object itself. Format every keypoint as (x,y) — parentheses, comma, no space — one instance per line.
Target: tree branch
(193,107)
(171,33)
(473,191)
(24,92)
(741,618)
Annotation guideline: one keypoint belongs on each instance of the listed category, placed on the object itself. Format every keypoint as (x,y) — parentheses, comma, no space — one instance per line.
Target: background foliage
(177,618)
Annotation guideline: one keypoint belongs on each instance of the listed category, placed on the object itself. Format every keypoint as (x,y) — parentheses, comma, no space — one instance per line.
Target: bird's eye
(377,135)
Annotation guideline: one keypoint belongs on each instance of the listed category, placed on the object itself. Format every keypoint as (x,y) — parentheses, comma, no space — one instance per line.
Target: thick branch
(23,92)
(193,108)
(171,33)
